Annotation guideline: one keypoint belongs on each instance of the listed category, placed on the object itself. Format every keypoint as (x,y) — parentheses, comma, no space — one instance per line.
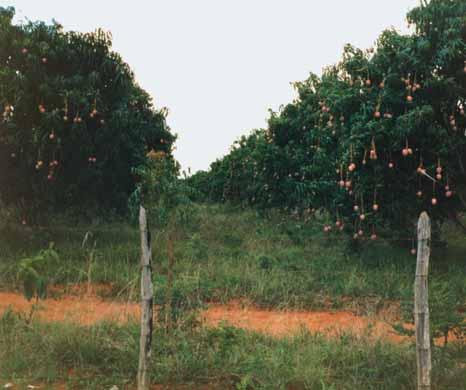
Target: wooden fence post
(147,293)
(421,304)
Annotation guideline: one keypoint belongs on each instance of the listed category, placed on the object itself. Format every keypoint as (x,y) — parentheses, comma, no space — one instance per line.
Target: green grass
(229,253)
(226,358)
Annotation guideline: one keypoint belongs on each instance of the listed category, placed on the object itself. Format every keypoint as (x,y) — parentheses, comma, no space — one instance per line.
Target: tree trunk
(421,304)
(145,342)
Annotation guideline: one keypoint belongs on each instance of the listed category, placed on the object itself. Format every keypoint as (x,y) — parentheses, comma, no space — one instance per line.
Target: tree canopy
(377,138)
(74,121)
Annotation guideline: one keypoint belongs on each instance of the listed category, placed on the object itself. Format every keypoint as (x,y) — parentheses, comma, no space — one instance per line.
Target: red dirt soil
(87,309)
(80,304)
(285,323)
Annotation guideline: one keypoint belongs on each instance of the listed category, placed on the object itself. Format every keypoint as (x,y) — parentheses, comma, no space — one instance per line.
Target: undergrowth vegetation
(223,254)
(227,253)
(223,358)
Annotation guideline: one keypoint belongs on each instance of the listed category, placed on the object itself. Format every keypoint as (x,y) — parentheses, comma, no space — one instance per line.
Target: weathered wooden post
(145,342)
(421,304)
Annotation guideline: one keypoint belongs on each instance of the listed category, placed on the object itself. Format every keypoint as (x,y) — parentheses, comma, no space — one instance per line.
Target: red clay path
(87,309)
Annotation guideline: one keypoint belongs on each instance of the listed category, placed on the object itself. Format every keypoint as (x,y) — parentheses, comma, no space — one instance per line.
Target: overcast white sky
(219,65)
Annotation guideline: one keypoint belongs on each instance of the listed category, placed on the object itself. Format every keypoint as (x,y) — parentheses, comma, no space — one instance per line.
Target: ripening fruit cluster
(345,175)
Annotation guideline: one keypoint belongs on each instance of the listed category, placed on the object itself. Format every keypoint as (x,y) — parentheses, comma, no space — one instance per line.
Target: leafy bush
(445,303)
(446,308)
(171,212)
(163,194)
(33,272)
